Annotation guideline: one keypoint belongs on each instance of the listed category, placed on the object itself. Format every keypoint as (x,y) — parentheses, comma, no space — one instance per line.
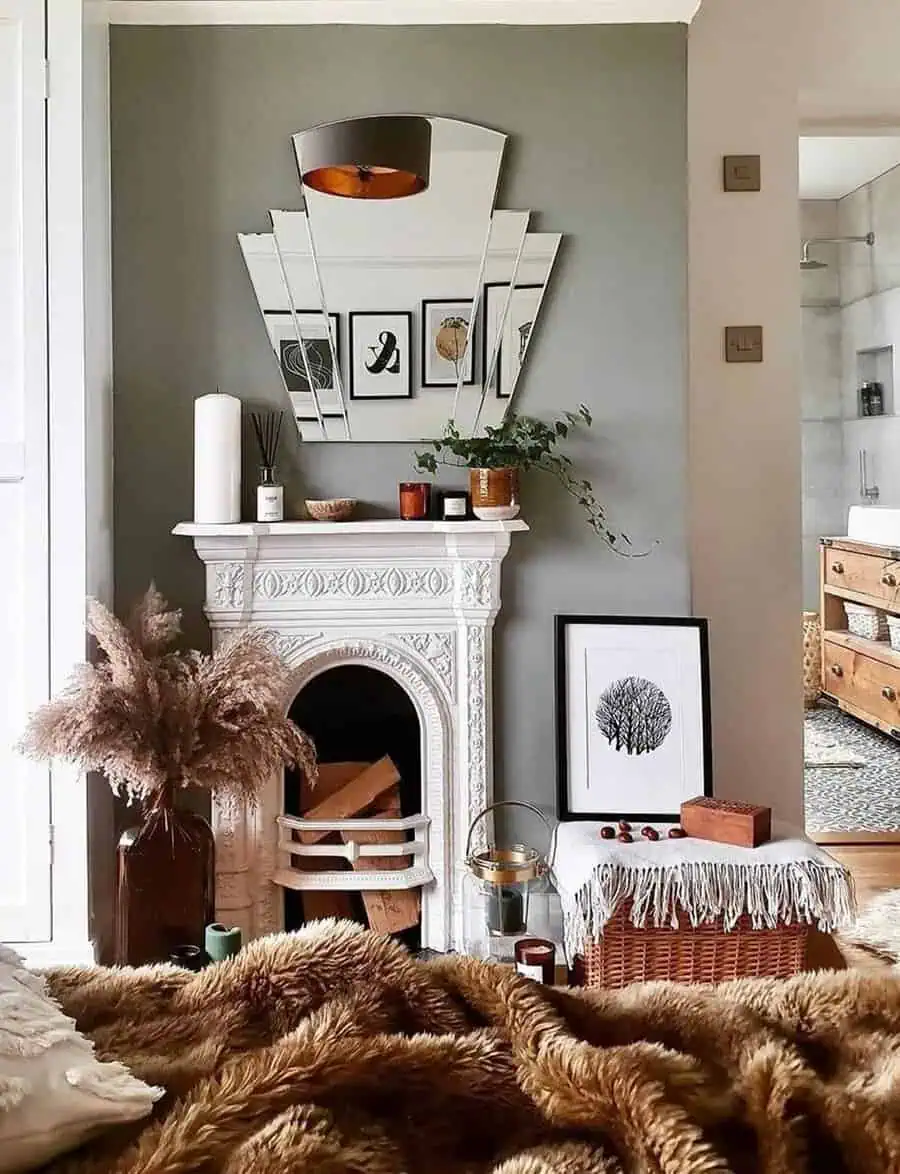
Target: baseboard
(42,955)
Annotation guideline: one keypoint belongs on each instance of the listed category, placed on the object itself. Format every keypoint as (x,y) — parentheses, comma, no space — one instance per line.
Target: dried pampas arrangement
(155,720)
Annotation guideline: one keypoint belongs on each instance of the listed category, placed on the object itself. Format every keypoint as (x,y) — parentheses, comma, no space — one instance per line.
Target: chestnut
(607,833)
(677,833)
(650,833)
(624,825)
(625,838)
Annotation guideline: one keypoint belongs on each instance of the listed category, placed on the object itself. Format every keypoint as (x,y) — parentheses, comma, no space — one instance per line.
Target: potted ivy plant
(495,460)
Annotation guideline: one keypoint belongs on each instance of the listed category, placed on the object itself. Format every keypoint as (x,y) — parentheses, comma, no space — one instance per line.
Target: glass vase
(165,874)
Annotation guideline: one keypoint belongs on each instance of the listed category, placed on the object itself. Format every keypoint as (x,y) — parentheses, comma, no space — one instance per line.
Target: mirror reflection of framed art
(380,354)
(506,338)
(310,369)
(448,342)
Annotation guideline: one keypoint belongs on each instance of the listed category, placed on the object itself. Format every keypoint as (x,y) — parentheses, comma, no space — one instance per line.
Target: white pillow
(54,1093)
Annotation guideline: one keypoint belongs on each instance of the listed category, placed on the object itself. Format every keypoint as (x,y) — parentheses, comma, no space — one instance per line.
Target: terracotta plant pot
(495,494)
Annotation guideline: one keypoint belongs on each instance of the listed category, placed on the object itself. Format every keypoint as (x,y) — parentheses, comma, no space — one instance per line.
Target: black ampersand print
(387,358)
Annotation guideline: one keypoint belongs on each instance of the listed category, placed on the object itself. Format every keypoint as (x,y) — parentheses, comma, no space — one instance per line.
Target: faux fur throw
(331,1051)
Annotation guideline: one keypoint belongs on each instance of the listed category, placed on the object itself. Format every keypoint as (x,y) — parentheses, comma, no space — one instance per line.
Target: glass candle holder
(454,506)
(536,958)
(414,500)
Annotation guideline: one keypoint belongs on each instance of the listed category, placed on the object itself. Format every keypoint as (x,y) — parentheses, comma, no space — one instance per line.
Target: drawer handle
(837,670)
(838,568)
(889,579)
(888,693)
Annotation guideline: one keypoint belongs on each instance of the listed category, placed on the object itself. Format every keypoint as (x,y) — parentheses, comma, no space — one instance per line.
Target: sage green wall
(202,119)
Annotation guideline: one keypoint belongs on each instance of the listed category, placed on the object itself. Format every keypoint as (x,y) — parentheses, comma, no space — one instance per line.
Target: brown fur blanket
(332,1051)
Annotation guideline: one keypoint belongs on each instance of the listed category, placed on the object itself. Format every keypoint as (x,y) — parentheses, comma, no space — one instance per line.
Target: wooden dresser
(862,676)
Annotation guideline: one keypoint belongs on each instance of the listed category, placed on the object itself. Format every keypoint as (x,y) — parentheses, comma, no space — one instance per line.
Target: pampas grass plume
(155,720)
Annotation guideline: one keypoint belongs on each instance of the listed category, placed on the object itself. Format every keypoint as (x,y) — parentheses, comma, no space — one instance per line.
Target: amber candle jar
(536,958)
(415,499)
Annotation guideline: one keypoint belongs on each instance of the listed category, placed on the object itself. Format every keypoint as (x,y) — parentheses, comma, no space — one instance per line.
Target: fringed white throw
(788,880)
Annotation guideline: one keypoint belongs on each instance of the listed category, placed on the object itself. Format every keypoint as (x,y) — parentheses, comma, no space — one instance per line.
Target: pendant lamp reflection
(379,158)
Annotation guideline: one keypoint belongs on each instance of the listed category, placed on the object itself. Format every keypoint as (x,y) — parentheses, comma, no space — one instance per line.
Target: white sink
(874,523)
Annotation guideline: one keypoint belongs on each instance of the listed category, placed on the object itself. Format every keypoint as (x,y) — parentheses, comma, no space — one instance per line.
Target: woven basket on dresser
(627,953)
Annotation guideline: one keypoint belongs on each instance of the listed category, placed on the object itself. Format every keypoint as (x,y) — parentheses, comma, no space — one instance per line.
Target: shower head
(807,263)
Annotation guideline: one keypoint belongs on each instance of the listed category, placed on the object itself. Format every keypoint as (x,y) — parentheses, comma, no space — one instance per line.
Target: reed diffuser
(269,493)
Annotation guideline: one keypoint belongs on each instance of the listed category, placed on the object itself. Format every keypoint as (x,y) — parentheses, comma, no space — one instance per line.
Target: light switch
(743,344)
(742,173)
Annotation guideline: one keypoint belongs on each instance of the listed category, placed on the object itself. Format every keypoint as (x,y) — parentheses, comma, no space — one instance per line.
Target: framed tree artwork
(380,354)
(632,716)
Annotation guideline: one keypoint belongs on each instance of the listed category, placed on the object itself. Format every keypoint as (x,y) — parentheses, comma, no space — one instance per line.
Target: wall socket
(741,173)
(743,344)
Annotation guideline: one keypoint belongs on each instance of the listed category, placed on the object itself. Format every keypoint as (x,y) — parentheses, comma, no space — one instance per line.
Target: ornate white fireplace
(415,600)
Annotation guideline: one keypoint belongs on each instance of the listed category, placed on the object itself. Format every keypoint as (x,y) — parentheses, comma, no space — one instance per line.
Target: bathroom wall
(870,334)
(822,440)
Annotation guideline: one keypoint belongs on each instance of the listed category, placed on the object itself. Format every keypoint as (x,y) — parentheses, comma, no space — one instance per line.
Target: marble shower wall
(870,334)
(824,510)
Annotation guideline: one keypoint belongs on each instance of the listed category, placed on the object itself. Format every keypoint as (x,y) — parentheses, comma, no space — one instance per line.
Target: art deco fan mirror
(397,297)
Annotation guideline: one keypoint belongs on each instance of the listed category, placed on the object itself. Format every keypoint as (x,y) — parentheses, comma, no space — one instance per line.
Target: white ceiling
(401,11)
(833,167)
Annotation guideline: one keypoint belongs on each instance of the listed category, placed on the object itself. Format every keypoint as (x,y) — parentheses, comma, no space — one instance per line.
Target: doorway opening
(849,254)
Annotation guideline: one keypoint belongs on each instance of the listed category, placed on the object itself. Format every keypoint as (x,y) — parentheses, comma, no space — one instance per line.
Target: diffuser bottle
(269,497)
(269,494)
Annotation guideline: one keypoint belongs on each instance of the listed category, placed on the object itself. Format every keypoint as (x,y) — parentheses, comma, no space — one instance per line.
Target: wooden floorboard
(875,867)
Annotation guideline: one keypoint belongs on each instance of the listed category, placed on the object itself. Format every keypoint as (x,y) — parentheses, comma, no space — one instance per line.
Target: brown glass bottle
(165,870)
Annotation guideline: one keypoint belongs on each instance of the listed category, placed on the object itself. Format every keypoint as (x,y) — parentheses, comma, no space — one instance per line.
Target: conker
(624,825)
(607,833)
(650,833)
(677,833)
(625,838)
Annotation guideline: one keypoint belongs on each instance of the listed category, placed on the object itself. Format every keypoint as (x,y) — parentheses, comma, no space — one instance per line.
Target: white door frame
(25,904)
(79,352)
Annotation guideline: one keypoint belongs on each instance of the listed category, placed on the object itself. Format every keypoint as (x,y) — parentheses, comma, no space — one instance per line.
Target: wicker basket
(705,953)
(866,621)
(812,658)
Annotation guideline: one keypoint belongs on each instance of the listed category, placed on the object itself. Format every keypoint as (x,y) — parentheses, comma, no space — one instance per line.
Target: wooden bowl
(331,509)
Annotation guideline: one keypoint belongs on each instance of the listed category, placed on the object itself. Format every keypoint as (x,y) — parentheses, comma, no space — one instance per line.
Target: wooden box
(727,822)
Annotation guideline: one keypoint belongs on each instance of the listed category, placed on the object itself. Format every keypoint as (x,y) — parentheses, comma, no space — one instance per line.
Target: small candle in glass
(414,500)
(536,958)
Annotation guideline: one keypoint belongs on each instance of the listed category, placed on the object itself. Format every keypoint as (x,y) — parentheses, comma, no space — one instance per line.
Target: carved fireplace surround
(415,600)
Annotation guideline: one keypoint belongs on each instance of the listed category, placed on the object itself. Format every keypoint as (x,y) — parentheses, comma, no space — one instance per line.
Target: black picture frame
(499,392)
(561,624)
(353,317)
(334,321)
(471,348)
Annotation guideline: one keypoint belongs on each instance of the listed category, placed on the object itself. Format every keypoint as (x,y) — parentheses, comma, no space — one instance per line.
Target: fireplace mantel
(416,600)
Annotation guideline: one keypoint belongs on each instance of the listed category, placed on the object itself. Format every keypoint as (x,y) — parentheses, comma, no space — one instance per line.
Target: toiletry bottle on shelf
(269,497)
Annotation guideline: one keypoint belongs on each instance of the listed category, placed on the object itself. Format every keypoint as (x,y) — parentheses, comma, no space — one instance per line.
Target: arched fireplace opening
(357,714)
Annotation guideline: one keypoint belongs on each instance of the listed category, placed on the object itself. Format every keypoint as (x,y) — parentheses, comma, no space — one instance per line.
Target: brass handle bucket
(514,865)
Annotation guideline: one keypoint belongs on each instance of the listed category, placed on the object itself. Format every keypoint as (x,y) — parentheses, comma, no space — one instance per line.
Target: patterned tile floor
(863,798)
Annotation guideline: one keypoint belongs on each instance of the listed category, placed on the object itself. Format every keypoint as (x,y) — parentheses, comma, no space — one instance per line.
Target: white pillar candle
(217,459)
